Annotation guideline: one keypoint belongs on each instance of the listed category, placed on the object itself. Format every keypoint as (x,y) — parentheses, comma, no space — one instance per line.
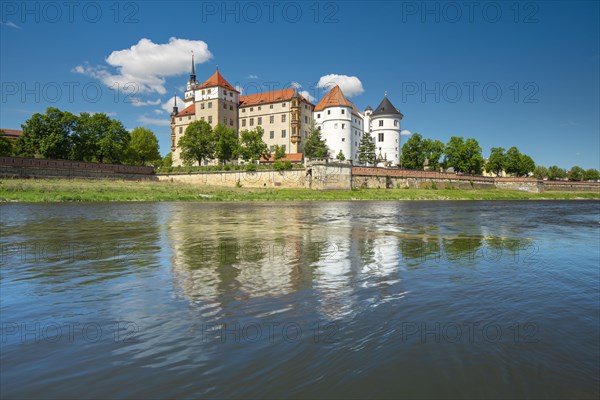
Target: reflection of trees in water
(84,244)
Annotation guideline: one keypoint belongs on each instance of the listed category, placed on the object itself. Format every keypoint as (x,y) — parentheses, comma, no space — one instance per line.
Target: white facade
(385,130)
(339,128)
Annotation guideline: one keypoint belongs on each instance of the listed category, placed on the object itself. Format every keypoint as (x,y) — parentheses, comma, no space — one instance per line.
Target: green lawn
(49,190)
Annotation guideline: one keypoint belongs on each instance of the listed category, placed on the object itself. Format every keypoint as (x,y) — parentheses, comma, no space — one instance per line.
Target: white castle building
(286,118)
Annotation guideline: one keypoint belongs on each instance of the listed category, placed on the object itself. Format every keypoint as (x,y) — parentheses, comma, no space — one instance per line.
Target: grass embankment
(49,190)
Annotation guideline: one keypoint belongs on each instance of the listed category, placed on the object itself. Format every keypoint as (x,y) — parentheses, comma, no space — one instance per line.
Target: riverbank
(103,190)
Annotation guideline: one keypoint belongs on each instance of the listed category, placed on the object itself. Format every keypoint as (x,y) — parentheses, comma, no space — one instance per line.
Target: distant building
(286,118)
(12,134)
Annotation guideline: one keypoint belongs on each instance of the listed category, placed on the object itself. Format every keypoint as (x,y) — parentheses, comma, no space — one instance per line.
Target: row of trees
(85,137)
(576,173)
(201,142)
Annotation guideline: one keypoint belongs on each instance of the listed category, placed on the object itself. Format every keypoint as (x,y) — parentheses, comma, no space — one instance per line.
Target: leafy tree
(226,143)
(197,143)
(576,173)
(315,146)
(463,156)
(144,147)
(518,164)
(341,156)
(48,135)
(252,146)
(88,131)
(540,172)
(497,161)
(591,175)
(433,149)
(279,152)
(167,160)
(413,152)
(366,150)
(6,145)
(114,143)
(555,173)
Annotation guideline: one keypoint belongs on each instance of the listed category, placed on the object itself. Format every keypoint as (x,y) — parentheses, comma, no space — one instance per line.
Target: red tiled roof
(191,110)
(270,97)
(217,80)
(12,133)
(335,98)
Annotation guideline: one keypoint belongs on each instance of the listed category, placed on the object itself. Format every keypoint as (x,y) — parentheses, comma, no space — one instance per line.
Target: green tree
(252,146)
(433,149)
(197,143)
(167,160)
(340,156)
(518,164)
(576,173)
(540,172)
(555,173)
(6,145)
(279,152)
(463,156)
(315,146)
(114,144)
(591,175)
(497,161)
(144,147)
(48,135)
(413,152)
(366,150)
(226,143)
(88,131)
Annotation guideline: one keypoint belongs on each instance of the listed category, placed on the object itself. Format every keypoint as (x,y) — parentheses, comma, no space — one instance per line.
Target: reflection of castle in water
(221,255)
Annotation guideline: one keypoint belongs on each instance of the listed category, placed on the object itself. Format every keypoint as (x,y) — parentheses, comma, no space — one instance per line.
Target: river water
(309,300)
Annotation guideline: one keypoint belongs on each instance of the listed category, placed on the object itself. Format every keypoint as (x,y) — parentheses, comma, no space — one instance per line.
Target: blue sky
(508,74)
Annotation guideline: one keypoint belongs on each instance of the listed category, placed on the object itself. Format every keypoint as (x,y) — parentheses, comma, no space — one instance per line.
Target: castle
(287,117)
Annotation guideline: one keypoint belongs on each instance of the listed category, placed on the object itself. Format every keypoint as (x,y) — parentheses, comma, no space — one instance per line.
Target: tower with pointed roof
(340,123)
(192,83)
(385,129)
(217,102)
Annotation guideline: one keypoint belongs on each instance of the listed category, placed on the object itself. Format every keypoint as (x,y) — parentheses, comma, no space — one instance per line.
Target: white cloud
(158,111)
(136,102)
(295,85)
(153,121)
(168,105)
(405,132)
(350,85)
(10,24)
(146,64)
(252,76)
(307,96)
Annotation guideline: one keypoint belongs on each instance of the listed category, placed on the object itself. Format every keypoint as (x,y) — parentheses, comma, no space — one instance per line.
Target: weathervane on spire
(385,93)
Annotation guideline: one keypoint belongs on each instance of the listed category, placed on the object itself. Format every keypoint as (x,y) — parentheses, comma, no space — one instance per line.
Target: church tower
(192,83)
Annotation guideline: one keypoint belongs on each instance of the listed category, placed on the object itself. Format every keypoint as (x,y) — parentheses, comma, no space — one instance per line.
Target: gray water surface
(308,300)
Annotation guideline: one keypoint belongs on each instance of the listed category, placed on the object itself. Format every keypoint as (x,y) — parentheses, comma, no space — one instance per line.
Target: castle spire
(175,109)
(193,74)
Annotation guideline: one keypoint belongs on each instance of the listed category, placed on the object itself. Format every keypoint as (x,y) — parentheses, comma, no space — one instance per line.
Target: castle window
(230,108)
(305,119)
(343,126)
(283,133)
(210,119)
(251,121)
(251,108)
(294,131)
(225,92)
(343,111)
(179,118)
(258,108)
(328,112)
(230,122)
(244,122)
(343,139)
(381,136)
(283,105)
(259,121)
(283,118)
(284,148)
(203,92)
(243,110)
(381,123)
(318,128)
(202,106)
(272,148)
(181,129)
(272,135)
(271,106)
(395,122)
(271,119)
(190,117)
(318,115)
(225,106)
(210,104)
(202,118)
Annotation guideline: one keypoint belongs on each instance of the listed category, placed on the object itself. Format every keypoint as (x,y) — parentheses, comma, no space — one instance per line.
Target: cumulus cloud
(405,132)
(168,105)
(307,96)
(145,120)
(136,102)
(295,85)
(147,64)
(350,85)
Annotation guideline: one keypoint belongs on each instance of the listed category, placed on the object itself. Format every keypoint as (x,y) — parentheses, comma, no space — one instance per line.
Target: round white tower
(385,130)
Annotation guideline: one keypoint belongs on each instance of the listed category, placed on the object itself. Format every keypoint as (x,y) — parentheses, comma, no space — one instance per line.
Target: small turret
(175,109)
